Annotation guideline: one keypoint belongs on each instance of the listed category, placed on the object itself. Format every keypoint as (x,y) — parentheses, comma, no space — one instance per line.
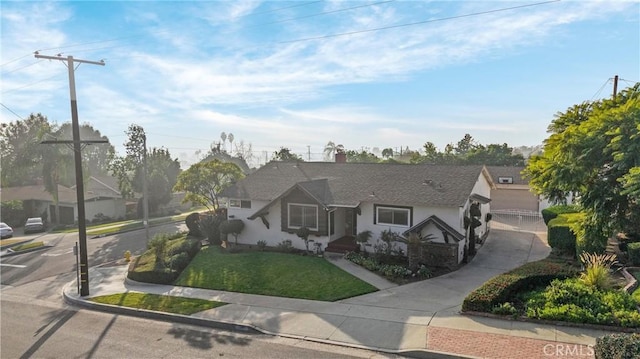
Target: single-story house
(339,200)
(100,198)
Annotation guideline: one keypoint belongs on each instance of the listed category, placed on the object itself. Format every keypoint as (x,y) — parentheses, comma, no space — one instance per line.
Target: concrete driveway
(503,250)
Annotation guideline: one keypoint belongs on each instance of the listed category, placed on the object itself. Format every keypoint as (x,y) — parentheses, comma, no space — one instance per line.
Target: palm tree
(415,242)
(329,151)
(230,138)
(223,137)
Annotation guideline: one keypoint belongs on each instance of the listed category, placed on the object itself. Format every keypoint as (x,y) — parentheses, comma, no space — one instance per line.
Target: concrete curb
(151,314)
(15,253)
(234,327)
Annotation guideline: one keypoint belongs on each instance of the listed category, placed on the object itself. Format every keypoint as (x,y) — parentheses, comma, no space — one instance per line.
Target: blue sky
(273,73)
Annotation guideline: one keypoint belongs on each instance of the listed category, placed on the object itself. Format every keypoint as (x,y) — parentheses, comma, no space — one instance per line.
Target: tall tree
(361,157)
(162,170)
(285,154)
(594,152)
(20,150)
(329,151)
(204,181)
(95,157)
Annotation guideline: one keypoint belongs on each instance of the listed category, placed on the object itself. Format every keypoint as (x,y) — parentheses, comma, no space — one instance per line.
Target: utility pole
(77,148)
(145,191)
(308,153)
(615,86)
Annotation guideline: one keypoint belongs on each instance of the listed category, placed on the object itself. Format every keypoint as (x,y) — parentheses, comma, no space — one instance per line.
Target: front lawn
(270,273)
(160,303)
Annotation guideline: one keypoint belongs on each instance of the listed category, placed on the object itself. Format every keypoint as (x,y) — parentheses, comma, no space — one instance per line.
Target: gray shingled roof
(348,184)
(507,171)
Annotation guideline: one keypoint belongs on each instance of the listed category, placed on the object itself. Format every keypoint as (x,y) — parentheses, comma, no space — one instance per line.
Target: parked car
(34,224)
(5,230)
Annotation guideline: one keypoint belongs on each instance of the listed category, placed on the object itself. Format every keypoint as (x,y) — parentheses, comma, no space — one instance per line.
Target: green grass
(636,293)
(30,245)
(9,242)
(160,303)
(269,273)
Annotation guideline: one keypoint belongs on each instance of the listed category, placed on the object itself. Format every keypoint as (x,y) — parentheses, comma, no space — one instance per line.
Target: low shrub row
(393,272)
(617,346)
(571,300)
(501,288)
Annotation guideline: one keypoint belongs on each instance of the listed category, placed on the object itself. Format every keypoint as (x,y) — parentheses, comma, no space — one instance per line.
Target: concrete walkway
(420,319)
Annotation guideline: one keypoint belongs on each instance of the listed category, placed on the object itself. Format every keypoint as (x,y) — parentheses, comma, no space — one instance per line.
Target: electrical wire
(601,88)
(29,85)
(20,68)
(16,59)
(10,110)
(419,22)
(323,13)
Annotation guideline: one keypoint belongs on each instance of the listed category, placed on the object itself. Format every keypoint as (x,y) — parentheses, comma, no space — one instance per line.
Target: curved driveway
(503,250)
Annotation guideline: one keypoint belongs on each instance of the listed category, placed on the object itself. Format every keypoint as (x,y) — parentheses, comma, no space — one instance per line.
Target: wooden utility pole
(615,86)
(77,148)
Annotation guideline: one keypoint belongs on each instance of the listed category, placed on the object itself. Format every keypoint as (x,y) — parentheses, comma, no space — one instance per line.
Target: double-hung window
(303,215)
(236,203)
(393,216)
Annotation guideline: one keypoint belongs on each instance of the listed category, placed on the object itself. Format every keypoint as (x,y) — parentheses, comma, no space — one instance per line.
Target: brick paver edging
(500,346)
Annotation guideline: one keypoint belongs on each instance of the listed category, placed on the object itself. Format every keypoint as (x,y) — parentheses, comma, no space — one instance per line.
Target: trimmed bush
(192,222)
(617,346)
(571,300)
(560,235)
(501,288)
(552,212)
(179,261)
(633,250)
(156,276)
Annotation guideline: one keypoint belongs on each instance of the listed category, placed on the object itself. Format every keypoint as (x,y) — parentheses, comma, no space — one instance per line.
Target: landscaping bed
(551,290)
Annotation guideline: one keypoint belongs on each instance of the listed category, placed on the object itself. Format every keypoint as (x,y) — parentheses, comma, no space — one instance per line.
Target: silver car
(34,224)
(5,230)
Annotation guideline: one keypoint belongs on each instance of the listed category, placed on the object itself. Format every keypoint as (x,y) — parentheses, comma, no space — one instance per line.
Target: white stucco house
(338,200)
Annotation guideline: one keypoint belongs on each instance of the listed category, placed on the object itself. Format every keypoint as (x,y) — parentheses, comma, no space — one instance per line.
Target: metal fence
(517,220)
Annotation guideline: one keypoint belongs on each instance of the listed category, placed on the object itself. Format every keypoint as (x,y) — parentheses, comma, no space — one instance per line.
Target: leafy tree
(303,233)
(387,153)
(284,154)
(232,226)
(162,170)
(594,152)
(95,157)
(494,155)
(21,151)
(216,153)
(361,157)
(362,238)
(204,181)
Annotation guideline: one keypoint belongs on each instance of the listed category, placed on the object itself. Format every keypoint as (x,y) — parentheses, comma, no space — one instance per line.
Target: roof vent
(505,180)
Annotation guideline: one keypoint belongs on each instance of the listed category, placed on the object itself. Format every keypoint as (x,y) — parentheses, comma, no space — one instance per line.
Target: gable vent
(505,180)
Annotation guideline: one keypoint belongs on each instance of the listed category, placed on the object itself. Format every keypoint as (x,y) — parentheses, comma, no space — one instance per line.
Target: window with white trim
(237,203)
(303,215)
(393,216)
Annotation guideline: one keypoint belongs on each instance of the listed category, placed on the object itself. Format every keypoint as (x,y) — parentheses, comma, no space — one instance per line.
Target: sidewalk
(420,319)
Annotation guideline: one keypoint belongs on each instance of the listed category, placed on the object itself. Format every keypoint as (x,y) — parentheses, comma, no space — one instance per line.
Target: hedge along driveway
(274,274)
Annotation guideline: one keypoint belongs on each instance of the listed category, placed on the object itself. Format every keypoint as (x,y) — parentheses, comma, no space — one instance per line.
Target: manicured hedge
(633,249)
(553,211)
(180,250)
(618,346)
(559,234)
(501,288)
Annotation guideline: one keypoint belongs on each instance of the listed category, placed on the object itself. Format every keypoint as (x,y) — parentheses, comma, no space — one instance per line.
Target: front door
(350,222)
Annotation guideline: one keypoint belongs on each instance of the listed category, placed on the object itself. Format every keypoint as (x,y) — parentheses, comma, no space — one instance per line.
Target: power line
(419,22)
(31,84)
(16,59)
(601,88)
(10,110)
(283,8)
(20,68)
(324,13)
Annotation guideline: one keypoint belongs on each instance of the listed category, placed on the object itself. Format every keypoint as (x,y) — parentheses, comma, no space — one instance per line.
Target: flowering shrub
(390,271)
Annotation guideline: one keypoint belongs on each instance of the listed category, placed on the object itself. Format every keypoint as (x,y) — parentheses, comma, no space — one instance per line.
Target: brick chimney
(341,157)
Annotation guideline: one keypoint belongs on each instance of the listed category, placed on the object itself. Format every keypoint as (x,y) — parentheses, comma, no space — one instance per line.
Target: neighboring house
(339,200)
(512,191)
(100,198)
